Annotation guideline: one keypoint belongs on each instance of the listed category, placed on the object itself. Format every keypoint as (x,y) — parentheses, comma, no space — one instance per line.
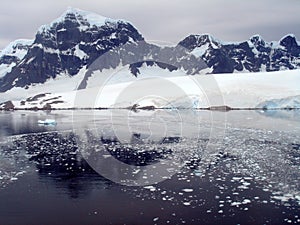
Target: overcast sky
(162,20)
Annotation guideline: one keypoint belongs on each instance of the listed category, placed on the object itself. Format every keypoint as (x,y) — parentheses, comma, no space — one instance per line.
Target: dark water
(161,167)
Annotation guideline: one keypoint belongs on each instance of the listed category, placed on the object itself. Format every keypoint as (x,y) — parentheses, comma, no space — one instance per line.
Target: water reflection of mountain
(77,181)
(135,160)
(59,161)
(138,153)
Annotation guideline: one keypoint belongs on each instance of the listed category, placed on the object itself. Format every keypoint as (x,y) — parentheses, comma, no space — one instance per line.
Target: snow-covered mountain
(74,54)
(253,55)
(76,39)
(66,45)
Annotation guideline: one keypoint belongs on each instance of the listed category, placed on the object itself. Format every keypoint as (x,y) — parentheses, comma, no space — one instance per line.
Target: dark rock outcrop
(7,106)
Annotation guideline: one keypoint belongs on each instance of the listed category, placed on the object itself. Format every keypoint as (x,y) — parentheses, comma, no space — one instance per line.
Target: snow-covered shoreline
(264,90)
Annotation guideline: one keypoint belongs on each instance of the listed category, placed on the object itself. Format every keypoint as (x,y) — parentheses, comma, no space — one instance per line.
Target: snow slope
(13,48)
(177,91)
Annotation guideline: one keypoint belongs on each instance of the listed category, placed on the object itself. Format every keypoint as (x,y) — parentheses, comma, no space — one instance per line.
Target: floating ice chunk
(187,203)
(155,219)
(136,171)
(151,188)
(47,122)
(237,204)
(243,187)
(246,201)
(20,173)
(187,190)
(246,183)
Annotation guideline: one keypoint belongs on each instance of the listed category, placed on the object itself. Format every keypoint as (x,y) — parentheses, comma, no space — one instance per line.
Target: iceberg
(47,122)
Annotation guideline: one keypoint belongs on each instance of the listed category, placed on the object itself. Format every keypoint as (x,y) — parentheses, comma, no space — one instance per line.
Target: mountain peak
(82,18)
(90,17)
(205,38)
(289,41)
(257,40)
(194,41)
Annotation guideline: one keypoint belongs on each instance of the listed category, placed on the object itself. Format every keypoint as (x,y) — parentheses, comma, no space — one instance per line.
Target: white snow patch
(122,75)
(30,60)
(51,50)
(79,53)
(200,51)
(14,46)
(4,69)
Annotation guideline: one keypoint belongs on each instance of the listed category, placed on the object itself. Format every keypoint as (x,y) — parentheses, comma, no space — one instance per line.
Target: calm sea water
(150,167)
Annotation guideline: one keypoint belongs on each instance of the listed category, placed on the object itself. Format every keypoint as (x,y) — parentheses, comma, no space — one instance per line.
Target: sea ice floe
(155,219)
(187,203)
(237,204)
(246,201)
(151,188)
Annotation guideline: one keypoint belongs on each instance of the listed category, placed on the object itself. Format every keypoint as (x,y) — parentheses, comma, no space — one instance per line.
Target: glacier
(292,102)
(237,91)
